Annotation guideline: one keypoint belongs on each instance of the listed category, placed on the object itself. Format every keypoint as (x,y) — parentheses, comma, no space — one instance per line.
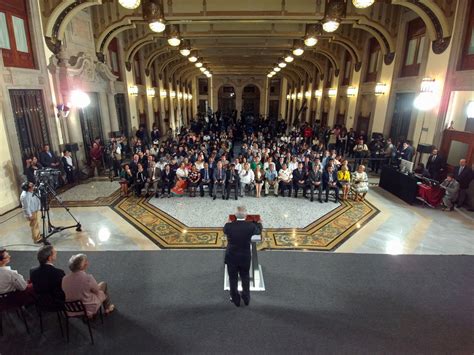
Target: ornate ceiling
(249,37)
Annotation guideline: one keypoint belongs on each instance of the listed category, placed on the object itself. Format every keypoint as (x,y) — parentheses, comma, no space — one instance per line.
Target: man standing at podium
(237,256)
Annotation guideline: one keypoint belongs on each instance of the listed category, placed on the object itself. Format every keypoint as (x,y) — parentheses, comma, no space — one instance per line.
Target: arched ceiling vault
(245,37)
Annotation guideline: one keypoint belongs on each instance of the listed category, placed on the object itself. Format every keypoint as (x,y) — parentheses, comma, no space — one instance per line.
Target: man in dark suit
(464,175)
(46,278)
(48,159)
(237,255)
(406,152)
(219,178)
(315,182)
(435,165)
(299,179)
(206,179)
(232,181)
(330,182)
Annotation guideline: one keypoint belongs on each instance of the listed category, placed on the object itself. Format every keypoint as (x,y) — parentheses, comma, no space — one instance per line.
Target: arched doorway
(226,100)
(251,101)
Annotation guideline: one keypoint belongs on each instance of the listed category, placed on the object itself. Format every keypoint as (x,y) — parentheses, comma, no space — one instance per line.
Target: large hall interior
(134,130)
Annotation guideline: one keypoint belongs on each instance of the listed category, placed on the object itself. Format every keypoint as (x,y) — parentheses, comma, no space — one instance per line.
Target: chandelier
(312,31)
(298,47)
(362,4)
(289,58)
(130,4)
(153,14)
(185,49)
(174,39)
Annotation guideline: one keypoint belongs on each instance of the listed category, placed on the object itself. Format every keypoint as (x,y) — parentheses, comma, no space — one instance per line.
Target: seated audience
(153,178)
(219,180)
(181,180)
(315,182)
(232,181)
(285,179)
(344,181)
(330,183)
(20,292)
(271,180)
(167,180)
(81,286)
(126,180)
(247,178)
(46,278)
(206,179)
(48,159)
(140,180)
(194,178)
(360,183)
(299,179)
(451,187)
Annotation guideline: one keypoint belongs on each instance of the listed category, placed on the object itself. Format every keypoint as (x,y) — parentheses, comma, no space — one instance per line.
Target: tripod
(44,189)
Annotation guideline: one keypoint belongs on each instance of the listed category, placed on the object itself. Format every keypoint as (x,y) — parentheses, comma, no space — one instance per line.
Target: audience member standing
(435,165)
(31,205)
(464,175)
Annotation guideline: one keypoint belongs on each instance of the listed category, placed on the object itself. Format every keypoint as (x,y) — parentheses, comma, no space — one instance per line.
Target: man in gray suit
(452,190)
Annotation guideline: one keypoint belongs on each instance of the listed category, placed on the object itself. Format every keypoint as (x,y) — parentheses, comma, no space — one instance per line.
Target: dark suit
(435,165)
(47,159)
(464,180)
(46,280)
(219,181)
(167,181)
(297,177)
(327,186)
(68,169)
(232,182)
(237,256)
(209,182)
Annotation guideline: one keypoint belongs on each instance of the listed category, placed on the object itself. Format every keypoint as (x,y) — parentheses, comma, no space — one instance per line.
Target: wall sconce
(299,96)
(380,89)
(180,95)
(151,92)
(351,91)
(288,96)
(133,90)
(173,94)
(293,96)
(185,96)
(307,94)
(190,97)
(163,93)
(332,92)
(318,93)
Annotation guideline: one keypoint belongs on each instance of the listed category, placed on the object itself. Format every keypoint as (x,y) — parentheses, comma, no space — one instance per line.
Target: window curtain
(20,34)
(4,40)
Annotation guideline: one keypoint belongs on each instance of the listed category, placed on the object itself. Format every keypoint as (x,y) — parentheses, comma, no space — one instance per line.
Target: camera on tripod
(46,176)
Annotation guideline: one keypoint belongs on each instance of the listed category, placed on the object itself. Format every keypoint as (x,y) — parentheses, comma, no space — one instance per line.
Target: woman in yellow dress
(344,180)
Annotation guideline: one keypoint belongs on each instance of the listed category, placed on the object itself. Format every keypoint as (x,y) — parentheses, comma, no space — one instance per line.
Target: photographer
(31,204)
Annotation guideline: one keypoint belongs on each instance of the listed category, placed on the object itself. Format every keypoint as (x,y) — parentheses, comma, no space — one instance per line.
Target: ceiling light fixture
(272,72)
(209,75)
(198,64)
(276,69)
(311,37)
(269,75)
(130,4)
(174,39)
(202,69)
(298,47)
(289,58)
(193,57)
(154,15)
(334,13)
(282,64)
(362,4)
(207,72)
(185,48)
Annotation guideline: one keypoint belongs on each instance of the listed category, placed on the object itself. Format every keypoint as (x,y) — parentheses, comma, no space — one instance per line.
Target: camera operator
(31,205)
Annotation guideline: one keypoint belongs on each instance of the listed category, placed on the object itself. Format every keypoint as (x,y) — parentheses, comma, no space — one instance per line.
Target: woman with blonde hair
(344,181)
(259,177)
(360,183)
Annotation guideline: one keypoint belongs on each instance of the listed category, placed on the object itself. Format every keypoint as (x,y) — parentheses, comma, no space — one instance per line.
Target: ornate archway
(251,101)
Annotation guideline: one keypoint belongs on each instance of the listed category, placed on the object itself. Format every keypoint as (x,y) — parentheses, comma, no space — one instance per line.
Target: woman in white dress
(360,183)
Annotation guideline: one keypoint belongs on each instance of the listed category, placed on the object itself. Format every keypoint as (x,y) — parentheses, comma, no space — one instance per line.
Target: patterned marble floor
(397,229)
(276,212)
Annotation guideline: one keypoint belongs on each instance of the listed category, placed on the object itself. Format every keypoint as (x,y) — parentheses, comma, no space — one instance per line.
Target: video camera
(47,176)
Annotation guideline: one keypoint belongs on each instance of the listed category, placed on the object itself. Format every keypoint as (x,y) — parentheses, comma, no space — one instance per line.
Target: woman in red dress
(181,181)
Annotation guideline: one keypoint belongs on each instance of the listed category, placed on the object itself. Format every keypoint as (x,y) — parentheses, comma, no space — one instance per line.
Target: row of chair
(66,310)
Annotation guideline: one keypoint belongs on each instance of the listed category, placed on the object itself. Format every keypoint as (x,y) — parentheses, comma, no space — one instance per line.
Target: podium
(257,282)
